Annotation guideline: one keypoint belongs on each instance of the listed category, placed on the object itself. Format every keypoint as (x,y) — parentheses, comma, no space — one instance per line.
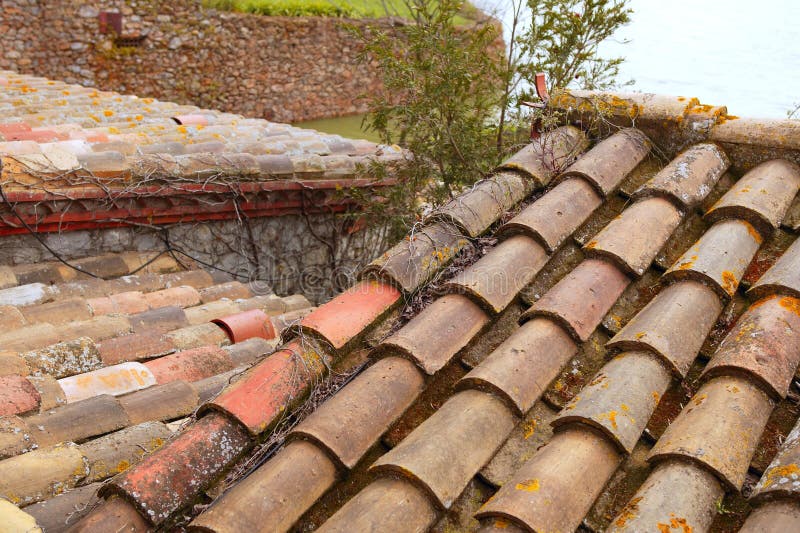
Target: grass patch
(329,8)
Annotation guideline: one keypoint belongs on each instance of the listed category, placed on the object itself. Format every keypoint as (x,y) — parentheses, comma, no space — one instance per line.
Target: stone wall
(312,255)
(279,68)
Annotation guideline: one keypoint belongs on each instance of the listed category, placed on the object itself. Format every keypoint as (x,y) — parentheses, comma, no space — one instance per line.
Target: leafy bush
(287,8)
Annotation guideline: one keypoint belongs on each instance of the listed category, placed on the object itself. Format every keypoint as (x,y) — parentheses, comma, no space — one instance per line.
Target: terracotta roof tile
(445,451)
(541,159)
(40,474)
(116,452)
(302,469)
(271,387)
(208,312)
(15,437)
(548,499)
(59,312)
(64,358)
(184,296)
(116,514)
(163,319)
(556,215)
(196,336)
(245,352)
(189,365)
(520,369)
(773,516)
(390,501)
(723,407)
(11,317)
(764,344)
(65,509)
(344,318)
(761,197)
(246,325)
(781,476)
(50,392)
(783,277)
(434,336)
(114,380)
(17,395)
(610,160)
(633,239)
(11,364)
(169,401)
(413,261)
(165,481)
(78,421)
(207,389)
(706,263)
(580,300)
(673,325)
(620,411)
(672,485)
(134,347)
(478,208)
(232,290)
(496,279)
(688,178)
(349,424)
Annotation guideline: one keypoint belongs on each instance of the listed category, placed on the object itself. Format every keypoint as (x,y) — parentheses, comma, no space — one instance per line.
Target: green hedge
(322,8)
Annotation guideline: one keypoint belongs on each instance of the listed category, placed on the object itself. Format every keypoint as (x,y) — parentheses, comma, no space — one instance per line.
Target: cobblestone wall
(279,68)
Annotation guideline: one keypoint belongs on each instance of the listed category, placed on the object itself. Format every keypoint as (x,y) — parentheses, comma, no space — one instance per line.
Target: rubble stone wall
(285,69)
(311,255)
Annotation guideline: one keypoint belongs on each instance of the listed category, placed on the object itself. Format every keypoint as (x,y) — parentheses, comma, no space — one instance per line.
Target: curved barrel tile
(41,474)
(674,324)
(114,380)
(633,239)
(783,277)
(541,160)
(273,497)
(496,279)
(346,317)
(673,485)
(610,160)
(688,178)
(719,258)
(415,260)
(544,495)
(719,428)
(620,399)
(481,206)
(349,423)
(189,365)
(555,216)
(270,388)
(165,481)
(385,505)
(781,479)
(520,369)
(762,196)
(773,517)
(443,453)
(582,298)
(437,333)
(764,344)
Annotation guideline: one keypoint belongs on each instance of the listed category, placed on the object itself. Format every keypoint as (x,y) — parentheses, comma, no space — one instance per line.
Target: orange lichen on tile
(530,485)
(790,303)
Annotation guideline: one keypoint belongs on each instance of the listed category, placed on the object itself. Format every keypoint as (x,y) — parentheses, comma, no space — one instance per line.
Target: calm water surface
(742,54)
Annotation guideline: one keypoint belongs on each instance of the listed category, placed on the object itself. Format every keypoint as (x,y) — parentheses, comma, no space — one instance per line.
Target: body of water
(738,53)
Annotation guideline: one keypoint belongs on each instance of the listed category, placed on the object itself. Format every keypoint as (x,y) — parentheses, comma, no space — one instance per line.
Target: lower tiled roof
(622,356)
